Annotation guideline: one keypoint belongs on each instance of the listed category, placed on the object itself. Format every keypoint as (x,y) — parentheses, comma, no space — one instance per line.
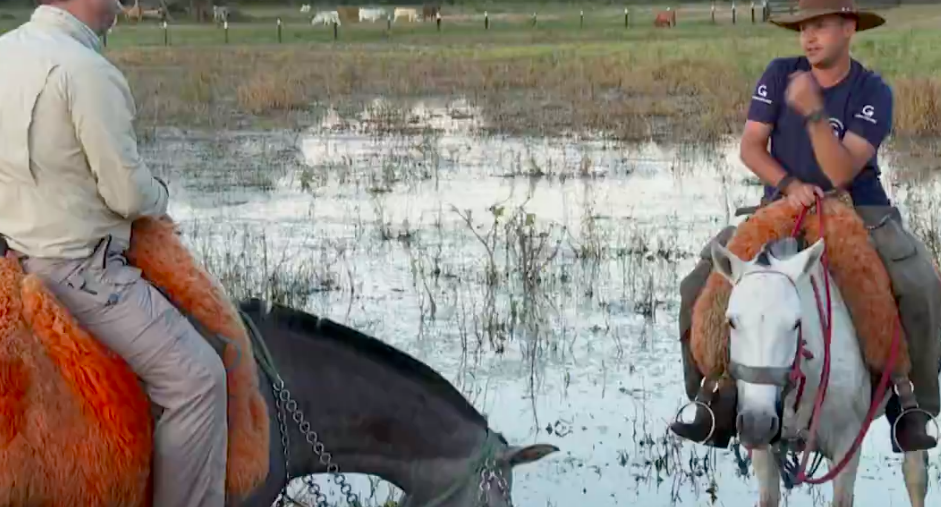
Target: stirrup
(704,398)
(908,405)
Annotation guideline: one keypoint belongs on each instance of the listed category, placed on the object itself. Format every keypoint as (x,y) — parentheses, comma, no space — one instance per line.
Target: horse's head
(764,316)
(483,480)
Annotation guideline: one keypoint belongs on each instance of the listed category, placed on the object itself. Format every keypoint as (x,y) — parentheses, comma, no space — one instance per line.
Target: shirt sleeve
(870,115)
(765,105)
(102,110)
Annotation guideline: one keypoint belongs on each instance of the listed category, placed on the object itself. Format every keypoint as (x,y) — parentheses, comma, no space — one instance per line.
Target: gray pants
(916,287)
(180,370)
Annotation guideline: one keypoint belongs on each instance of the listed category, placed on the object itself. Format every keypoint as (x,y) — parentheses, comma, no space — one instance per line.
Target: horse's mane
(780,249)
(319,328)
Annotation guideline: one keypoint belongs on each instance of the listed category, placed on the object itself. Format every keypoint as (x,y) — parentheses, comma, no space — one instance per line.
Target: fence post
(581,19)
(438,20)
(534,20)
(733,13)
(486,21)
(279,30)
(712,12)
(225,26)
(166,34)
(753,13)
(627,17)
(389,23)
(335,30)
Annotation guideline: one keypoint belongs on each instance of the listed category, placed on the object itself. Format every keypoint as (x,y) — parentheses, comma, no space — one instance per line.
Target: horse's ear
(814,253)
(726,263)
(802,263)
(521,455)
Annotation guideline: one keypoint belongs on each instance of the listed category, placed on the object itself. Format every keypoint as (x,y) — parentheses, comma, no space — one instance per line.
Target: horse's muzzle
(757,428)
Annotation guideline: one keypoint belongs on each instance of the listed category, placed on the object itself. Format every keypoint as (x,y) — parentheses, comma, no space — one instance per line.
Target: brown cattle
(348,14)
(428,12)
(665,18)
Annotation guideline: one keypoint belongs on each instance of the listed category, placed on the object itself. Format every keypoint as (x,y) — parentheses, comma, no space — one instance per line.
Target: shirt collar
(62,20)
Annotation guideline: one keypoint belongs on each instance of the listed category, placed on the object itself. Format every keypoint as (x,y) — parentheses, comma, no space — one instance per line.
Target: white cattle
(305,8)
(220,14)
(371,15)
(402,12)
(326,18)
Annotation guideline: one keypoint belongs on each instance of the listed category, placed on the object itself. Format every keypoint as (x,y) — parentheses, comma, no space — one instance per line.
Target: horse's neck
(371,418)
(848,372)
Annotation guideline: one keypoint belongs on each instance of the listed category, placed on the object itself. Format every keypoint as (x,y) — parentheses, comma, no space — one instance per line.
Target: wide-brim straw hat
(809,9)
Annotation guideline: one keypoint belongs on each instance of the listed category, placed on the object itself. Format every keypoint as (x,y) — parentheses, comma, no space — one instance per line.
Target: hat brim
(865,20)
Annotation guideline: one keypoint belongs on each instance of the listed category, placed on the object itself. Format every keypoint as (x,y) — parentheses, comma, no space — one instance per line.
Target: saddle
(856,268)
(75,423)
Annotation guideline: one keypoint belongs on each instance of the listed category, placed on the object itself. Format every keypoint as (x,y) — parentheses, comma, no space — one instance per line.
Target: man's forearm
(832,157)
(760,162)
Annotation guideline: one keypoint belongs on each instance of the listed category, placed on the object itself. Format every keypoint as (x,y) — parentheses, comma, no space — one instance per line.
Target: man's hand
(802,194)
(803,93)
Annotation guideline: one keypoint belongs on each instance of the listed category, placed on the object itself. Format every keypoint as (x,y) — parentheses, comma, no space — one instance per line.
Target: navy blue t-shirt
(861,103)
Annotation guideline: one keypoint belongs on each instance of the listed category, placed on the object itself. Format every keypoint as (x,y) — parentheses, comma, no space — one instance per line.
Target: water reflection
(538,275)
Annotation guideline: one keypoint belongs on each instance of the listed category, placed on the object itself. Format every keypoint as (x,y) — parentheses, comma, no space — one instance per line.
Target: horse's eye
(797,324)
(731,323)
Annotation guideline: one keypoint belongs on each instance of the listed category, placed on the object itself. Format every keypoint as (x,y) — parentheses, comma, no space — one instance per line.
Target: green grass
(690,81)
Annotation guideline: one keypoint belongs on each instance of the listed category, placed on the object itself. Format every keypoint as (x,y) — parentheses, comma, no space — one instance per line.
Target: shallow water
(574,344)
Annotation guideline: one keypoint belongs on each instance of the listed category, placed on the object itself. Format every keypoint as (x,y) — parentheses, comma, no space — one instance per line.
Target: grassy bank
(690,82)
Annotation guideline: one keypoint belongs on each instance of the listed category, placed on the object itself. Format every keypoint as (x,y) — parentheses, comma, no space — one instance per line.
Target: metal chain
(285,445)
(285,402)
(488,474)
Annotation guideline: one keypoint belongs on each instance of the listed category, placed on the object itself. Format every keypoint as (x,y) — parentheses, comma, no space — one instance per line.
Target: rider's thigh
(132,318)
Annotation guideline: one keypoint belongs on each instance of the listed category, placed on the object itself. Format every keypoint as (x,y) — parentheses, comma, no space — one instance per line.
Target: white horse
(771,307)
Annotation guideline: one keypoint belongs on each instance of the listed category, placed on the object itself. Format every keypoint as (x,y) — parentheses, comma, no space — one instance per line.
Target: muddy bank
(626,95)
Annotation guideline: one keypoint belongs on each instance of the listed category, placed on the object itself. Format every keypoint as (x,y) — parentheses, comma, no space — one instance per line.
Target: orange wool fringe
(856,269)
(75,423)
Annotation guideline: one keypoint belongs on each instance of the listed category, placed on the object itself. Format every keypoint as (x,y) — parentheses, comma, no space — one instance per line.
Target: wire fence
(332,24)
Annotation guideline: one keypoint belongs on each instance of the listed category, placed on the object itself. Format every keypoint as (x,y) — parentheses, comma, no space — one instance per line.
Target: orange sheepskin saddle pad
(75,423)
(855,266)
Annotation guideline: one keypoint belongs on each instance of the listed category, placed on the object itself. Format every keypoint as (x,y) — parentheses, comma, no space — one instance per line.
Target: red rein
(797,374)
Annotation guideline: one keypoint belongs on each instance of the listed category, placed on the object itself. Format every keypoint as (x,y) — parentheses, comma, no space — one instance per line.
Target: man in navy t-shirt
(826,116)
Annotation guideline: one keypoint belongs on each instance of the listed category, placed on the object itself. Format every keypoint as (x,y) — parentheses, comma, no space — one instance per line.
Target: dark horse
(375,410)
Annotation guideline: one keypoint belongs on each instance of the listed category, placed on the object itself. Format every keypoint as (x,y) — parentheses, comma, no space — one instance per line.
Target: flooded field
(539,275)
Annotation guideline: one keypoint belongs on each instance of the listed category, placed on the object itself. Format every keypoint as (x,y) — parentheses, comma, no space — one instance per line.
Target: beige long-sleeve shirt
(70,171)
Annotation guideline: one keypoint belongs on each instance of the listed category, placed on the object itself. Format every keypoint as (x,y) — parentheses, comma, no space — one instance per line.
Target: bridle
(793,376)
(785,377)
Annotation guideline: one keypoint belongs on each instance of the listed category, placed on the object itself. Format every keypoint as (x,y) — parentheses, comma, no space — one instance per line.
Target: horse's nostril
(775,423)
(757,427)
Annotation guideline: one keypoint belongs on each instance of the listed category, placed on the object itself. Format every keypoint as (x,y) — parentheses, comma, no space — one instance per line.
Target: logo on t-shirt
(837,127)
(867,114)
(761,94)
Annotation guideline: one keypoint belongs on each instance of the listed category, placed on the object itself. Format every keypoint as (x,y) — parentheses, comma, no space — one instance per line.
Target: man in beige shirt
(71,184)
